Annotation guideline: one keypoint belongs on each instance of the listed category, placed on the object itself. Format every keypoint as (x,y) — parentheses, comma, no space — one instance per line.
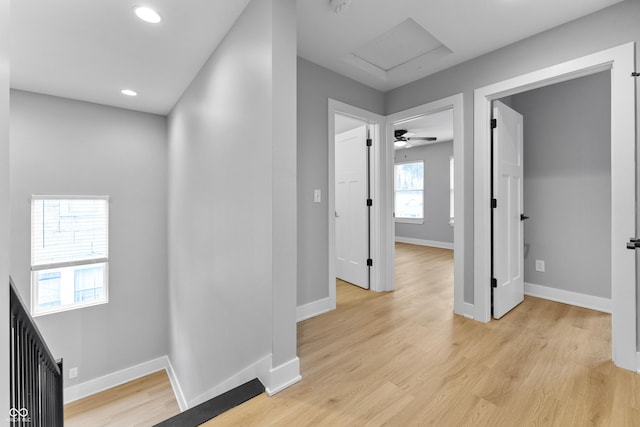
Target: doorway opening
(354,223)
(563,212)
(431,214)
(618,61)
(424,190)
(352,193)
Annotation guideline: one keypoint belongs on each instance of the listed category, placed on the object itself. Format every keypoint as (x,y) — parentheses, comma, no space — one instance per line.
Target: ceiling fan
(402,137)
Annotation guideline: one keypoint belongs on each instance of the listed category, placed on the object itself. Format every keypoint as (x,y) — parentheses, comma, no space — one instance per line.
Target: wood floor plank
(142,402)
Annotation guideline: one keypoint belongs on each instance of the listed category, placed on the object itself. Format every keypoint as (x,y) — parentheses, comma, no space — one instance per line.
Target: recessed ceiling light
(147,14)
(129,92)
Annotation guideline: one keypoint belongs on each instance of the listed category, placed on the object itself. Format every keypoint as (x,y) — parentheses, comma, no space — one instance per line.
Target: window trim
(36,311)
(405,220)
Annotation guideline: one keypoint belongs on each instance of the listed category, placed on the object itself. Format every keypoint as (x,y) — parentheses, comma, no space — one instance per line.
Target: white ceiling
(90,49)
(464,29)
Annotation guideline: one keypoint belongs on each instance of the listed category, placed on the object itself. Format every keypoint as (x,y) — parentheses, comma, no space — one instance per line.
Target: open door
(351,210)
(508,233)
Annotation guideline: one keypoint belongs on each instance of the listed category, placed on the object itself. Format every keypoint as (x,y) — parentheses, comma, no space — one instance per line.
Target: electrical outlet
(73,372)
(540,266)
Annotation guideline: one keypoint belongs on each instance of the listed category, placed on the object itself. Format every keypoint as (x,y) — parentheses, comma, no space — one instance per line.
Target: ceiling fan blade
(422,138)
(399,132)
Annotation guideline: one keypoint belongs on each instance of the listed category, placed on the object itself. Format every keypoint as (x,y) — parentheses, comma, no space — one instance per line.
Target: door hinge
(494,282)
(635,74)
(369,142)
(369,202)
(494,123)
(369,262)
(494,203)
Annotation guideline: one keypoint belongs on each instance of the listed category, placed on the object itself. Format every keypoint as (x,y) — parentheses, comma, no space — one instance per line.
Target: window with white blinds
(69,252)
(409,192)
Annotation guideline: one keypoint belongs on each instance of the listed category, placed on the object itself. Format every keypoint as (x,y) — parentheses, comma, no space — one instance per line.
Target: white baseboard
(259,369)
(421,242)
(469,310)
(312,309)
(568,297)
(283,376)
(175,385)
(117,378)
(638,362)
(275,380)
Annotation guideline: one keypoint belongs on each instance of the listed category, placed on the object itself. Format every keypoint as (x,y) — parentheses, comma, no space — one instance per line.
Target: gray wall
(567,184)
(222,228)
(610,27)
(59,147)
(315,86)
(4,198)
(436,192)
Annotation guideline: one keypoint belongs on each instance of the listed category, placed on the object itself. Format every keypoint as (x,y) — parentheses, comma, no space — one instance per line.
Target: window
(69,252)
(451,181)
(409,192)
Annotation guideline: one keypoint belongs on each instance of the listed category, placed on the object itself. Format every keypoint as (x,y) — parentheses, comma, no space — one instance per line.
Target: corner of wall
(4,199)
(282,376)
(260,369)
(175,385)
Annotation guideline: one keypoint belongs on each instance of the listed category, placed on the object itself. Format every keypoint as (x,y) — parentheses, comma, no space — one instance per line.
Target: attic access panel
(401,44)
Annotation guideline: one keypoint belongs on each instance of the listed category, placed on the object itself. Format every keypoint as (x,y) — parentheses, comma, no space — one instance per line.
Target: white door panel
(508,235)
(352,227)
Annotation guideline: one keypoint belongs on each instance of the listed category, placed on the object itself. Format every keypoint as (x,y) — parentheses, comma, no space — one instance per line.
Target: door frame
(620,61)
(455,102)
(376,230)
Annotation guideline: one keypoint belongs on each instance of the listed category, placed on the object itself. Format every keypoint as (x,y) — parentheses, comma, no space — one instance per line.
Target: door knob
(523,217)
(633,243)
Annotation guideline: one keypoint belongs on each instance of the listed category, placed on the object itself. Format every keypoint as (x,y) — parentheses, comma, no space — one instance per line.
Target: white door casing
(508,233)
(352,224)
(620,62)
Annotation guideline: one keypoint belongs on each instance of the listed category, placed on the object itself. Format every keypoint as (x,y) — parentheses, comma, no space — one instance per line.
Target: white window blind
(409,191)
(69,252)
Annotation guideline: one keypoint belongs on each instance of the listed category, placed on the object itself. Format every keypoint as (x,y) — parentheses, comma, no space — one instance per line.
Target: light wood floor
(143,402)
(404,359)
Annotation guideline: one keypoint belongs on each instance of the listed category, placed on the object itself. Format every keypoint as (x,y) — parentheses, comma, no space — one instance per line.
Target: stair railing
(36,396)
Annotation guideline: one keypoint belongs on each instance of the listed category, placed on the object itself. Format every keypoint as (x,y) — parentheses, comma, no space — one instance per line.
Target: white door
(352,224)
(508,235)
